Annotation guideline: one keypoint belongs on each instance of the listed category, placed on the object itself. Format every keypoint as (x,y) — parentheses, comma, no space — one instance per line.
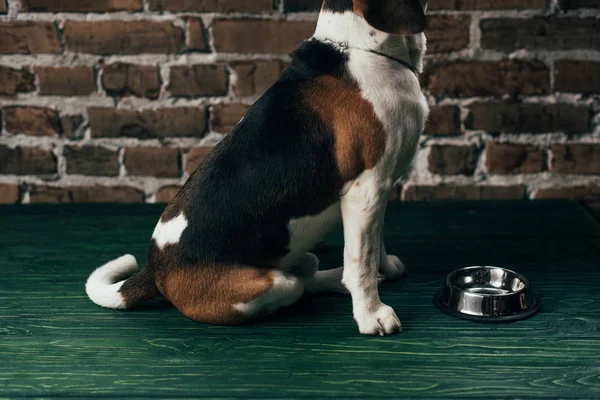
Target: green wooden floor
(55,342)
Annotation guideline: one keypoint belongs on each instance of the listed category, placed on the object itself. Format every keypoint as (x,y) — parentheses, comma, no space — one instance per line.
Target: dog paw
(305,267)
(381,322)
(392,269)
(310,264)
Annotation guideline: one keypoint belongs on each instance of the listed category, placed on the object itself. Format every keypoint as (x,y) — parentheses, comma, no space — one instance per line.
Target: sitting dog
(323,145)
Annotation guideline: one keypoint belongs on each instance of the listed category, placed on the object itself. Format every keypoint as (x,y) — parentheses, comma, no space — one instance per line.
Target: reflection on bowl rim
(489,267)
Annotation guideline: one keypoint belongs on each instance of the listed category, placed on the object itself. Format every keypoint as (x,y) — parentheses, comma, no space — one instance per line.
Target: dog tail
(106,288)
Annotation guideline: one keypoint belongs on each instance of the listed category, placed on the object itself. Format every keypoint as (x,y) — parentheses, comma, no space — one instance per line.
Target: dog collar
(399,61)
(392,58)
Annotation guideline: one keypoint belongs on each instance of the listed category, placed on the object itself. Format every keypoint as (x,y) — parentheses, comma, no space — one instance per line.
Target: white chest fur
(392,88)
(398,101)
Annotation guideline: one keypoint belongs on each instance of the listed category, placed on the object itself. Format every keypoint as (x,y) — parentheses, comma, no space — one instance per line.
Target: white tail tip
(103,285)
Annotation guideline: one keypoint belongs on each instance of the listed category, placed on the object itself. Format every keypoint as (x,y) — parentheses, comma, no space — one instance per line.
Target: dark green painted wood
(55,342)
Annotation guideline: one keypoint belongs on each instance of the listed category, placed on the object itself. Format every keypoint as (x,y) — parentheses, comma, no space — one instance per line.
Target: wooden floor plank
(55,342)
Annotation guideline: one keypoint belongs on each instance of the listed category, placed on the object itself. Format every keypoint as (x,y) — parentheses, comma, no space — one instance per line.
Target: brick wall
(119,100)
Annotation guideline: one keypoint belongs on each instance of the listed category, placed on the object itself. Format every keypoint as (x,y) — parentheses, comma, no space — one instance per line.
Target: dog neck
(351,31)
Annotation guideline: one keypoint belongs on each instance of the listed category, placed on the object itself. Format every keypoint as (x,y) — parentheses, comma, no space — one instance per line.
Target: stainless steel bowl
(489,294)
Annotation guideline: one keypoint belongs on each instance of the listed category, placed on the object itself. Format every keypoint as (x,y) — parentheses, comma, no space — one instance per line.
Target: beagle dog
(322,146)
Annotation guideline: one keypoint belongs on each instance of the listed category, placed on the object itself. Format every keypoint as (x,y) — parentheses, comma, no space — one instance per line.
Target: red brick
(220,6)
(486,78)
(167,193)
(85,194)
(123,37)
(224,117)
(260,36)
(91,160)
(196,37)
(195,157)
(66,81)
(576,158)
(198,80)
(574,4)
(255,77)
(508,34)
(159,123)
(80,5)
(35,121)
(20,37)
(9,194)
(447,33)
(445,192)
(509,158)
(463,5)
(528,118)
(161,162)
(577,76)
(443,120)
(70,125)
(122,79)
(580,192)
(27,161)
(13,81)
(452,159)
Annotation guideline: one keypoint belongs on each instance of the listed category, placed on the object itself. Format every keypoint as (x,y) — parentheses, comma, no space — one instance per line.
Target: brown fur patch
(359,134)
(208,293)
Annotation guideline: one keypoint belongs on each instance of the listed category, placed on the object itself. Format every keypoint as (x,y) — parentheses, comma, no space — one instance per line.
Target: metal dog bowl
(488,294)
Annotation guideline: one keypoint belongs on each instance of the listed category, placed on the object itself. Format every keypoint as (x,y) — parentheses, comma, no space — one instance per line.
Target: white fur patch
(169,232)
(286,290)
(399,103)
(102,287)
(349,29)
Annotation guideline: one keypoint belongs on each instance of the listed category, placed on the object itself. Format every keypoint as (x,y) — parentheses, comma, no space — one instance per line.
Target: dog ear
(399,17)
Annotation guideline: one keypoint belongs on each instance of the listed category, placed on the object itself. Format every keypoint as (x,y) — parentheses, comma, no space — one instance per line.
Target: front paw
(393,268)
(381,322)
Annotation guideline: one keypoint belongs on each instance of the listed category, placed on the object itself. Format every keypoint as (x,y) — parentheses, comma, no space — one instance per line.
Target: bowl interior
(487,281)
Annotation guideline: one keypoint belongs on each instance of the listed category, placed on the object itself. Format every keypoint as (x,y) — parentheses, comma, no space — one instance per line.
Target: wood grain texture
(55,342)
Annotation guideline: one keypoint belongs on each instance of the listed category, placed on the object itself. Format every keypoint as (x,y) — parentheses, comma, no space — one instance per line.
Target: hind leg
(303,266)
(390,266)
(316,281)
(330,280)
(306,269)
(285,290)
(230,294)
(326,281)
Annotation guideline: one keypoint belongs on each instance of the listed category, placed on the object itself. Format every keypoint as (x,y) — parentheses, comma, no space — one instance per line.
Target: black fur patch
(277,164)
(338,5)
(139,287)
